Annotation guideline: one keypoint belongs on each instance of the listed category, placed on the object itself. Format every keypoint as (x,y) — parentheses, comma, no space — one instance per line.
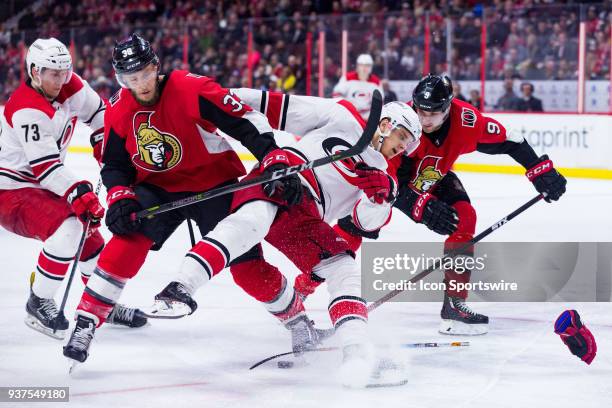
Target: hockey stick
(191,234)
(60,316)
(357,148)
(374,305)
(404,345)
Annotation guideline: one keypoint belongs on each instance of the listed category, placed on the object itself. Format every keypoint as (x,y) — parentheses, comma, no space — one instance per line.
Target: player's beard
(151,101)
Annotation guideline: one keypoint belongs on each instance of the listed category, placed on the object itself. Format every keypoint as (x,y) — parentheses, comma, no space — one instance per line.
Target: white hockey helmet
(400,114)
(48,53)
(365,59)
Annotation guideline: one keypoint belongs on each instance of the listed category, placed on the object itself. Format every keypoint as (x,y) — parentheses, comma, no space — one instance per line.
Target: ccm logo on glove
(539,169)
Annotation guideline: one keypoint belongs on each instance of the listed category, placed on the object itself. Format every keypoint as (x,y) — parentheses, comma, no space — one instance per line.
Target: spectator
(528,102)
(287,80)
(457,92)
(390,96)
(475,99)
(509,100)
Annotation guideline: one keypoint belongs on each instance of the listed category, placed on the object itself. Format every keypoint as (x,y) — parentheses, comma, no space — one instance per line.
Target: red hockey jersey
(465,131)
(174,144)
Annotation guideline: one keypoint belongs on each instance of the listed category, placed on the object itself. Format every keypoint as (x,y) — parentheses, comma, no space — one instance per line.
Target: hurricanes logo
(346,167)
(157,151)
(427,174)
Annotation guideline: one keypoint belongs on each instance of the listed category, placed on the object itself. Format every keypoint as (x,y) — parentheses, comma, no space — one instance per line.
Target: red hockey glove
(375,183)
(85,203)
(576,336)
(289,187)
(547,179)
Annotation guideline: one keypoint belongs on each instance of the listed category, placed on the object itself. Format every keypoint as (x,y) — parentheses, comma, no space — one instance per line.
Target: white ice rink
(203,360)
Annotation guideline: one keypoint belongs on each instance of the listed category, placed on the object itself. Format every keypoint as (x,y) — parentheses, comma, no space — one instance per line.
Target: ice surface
(203,360)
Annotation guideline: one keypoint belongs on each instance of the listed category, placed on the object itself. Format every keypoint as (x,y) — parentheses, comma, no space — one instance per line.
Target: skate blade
(381,378)
(388,373)
(73,366)
(454,327)
(33,323)
(162,309)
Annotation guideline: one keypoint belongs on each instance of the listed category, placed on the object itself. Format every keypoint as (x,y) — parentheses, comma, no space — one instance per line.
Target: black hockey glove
(547,179)
(426,209)
(122,204)
(289,188)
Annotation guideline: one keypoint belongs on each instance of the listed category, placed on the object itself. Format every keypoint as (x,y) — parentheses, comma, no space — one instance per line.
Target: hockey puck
(285,364)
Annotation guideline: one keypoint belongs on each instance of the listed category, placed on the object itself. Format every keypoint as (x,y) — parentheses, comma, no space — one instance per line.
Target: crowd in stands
(526,39)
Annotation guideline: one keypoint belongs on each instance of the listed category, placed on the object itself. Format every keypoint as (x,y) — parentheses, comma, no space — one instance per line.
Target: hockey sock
(55,258)
(347,309)
(205,260)
(101,293)
(307,283)
(232,237)
(259,279)
(120,260)
(464,233)
(94,244)
(286,306)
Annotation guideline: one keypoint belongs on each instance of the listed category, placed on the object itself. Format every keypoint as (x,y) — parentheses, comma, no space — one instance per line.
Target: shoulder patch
(468,117)
(115,98)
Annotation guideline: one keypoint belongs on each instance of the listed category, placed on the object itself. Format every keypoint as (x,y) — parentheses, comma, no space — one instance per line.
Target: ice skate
(77,348)
(126,316)
(458,318)
(173,302)
(42,315)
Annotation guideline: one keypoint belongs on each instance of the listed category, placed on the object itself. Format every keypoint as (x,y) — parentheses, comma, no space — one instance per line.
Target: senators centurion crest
(427,174)
(157,151)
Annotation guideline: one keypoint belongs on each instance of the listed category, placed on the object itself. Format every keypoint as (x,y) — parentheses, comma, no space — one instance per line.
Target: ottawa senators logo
(157,151)
(427,174)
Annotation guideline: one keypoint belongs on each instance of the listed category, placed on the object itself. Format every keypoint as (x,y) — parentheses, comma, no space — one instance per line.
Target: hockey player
(358,86)
(432,194)
(160,144)
(358,185)
(40,197)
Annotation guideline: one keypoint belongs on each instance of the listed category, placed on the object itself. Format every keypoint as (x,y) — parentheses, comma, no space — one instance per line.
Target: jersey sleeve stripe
(44,159)
(12,176)
(264,101)
(50,170)
(42,168)
(101,108)
(274,109)
(18,175)
(285,109)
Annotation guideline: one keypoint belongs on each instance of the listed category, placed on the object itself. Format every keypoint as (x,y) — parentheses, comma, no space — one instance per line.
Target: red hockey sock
(305,284)
(119,261)
(124,255)
(258,278)
(464,233)
(345,308)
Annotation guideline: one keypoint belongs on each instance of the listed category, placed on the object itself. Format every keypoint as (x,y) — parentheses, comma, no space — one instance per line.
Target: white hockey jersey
(36,134)
(325,126)
(358,92)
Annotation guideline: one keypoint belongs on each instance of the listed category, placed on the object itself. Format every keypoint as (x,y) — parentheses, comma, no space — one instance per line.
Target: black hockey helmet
(133,54)
(433,93)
